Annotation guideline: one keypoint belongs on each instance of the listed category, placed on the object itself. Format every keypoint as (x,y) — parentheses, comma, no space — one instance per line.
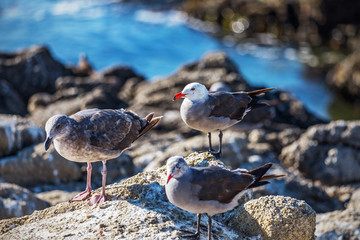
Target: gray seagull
(95,135)
(210,190)
(215,111)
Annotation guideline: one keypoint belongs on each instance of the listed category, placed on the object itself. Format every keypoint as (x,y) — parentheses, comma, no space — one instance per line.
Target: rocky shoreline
(321,159)
(325,33)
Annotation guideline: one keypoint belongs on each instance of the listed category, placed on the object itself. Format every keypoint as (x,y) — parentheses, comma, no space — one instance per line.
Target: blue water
(154,43)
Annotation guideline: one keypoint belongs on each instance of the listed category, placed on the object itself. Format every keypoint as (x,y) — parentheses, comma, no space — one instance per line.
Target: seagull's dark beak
(169,177)
(48,143)
(179,95)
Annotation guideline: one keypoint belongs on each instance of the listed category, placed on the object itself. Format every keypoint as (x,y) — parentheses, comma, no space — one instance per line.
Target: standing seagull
(95,135)
(215,111)
(209,190)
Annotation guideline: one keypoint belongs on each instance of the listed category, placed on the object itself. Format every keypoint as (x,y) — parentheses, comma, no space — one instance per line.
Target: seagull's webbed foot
(188,234)
(81,196)
(98,198)
(193,235)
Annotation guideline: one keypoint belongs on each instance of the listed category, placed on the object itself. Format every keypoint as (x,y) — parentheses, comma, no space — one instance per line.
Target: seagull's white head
(193,91)
(56,126)
(176,167)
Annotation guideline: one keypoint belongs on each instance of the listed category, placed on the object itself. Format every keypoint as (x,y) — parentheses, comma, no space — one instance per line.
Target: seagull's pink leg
(100,198)
(86,193)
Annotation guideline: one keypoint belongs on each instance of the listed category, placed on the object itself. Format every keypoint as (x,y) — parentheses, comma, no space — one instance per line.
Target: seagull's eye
(177,165)
(57,126)
(193,89)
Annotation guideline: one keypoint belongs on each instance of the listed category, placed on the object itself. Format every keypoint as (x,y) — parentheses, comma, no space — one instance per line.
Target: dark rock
(11,101)
(344,78)
(328,152)
(121,72)
(17,133)
(208,70)
(30,71)
(74,94)
(32,166)
(16,201)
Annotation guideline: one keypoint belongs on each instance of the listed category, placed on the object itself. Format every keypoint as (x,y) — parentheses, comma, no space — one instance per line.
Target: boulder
(74,94)
(11,101)
(16,201)
(274,217)
(327,152)
(340,224)
(213,67)
(17,133)
(344,78)
(138,208)
(32,166)
(31,70)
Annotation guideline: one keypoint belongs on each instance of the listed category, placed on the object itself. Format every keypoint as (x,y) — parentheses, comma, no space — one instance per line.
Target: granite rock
(138,208)
(326,152)
(31,70)
(274,217)
(33,165)
(341,224)
(16,133)
(11,101)
(16,201)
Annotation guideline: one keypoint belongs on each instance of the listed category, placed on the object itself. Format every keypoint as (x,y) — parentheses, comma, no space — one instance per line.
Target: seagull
(95,135)
(215,111)
(210,190)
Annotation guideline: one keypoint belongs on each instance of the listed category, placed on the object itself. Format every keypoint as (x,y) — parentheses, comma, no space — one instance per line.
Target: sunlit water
(154,43)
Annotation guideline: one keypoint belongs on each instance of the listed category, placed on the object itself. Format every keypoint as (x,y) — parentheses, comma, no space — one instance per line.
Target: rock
(30,71)
(327,152)
(292,111)
(16,201)
(56,196)
(344,78)
(341,224)
(33,165)
(11,101)
(276,139)
(354,202)
(77,93)
(274,217)
(138,208)
(17,133)
(213,67)
(236,149)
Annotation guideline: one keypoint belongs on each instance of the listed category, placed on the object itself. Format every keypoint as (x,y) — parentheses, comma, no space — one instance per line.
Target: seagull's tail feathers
(254,103)
(259,92)
(151,122)
(260,177)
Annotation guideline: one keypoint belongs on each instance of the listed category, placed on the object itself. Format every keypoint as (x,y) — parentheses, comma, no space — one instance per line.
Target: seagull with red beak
(215,111)
(210,190)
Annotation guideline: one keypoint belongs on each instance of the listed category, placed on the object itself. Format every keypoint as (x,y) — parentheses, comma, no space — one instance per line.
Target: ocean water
(155,43)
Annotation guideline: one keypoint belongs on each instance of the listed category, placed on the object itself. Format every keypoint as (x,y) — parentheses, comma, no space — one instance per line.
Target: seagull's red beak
(179,95)
(169,177)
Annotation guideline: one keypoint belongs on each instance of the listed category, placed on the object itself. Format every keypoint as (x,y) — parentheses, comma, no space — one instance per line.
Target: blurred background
(287,44)
(63,56)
